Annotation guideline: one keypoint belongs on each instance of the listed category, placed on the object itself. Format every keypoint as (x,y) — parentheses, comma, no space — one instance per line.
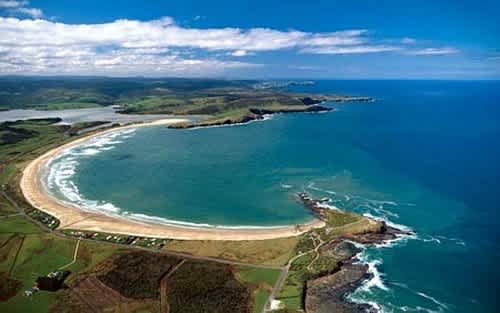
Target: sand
(73,217)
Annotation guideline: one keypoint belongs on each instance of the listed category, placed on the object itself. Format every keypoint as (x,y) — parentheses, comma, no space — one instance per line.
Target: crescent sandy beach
(73,217)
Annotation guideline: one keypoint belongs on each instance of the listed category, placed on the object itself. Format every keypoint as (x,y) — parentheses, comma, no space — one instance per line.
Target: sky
(270,39)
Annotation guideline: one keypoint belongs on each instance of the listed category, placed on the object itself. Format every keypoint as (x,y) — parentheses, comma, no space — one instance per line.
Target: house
(53,281)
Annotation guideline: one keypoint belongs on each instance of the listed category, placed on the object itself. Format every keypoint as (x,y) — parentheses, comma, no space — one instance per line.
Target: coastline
(73,217)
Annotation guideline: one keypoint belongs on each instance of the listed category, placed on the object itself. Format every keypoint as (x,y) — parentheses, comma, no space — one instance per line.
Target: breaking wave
(160,220)
(388,222)
(376,207)
(364,293)
(286,186)
(375,281)
(434,305)
(61,170)
(438,239)
(379,210)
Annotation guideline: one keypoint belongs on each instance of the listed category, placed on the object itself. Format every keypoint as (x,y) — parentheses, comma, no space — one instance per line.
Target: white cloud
(20,7)
(33,12)
(350,49)
(434,51)
(157,46)
(341,38)
(165,33)
(408,41)
(12,4)
(120,62)
(306,67)
(239,53)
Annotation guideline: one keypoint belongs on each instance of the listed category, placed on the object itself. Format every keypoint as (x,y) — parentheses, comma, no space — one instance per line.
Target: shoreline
(73,217)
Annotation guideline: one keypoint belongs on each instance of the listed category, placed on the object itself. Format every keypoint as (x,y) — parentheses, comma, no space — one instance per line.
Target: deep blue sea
(425,154)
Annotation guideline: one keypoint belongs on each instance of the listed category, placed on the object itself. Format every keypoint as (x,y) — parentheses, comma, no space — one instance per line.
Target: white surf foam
(312,186)
(388,222)
(439,306)
(400,239)
(327,206)
(63,167)
(362,294)
(437,239)
(380,208)
(166,221)
(457,241)
(377,277)
(429,238)
(434,300)
(390,308)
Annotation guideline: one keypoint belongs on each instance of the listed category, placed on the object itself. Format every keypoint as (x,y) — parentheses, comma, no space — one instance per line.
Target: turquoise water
(424,155)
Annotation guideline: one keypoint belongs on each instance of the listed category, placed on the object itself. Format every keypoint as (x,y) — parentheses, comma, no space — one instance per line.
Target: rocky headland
(253,114)
(308,104)
(328,292)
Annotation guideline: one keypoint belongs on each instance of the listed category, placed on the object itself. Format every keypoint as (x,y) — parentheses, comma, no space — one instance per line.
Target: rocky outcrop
(227,121)
(385,234)
(315,205)
(252,115)
(342,250)
(352,99)
(327,294)
(310,101)
(312,108)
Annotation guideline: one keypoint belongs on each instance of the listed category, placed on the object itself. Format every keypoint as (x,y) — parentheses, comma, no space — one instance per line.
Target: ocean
(425,155)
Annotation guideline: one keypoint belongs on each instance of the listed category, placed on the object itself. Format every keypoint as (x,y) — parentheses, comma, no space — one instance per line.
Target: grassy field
(263,252)
(260,300)
(140,95)
(291,293)
(314,261)
(259,275)
(263,279)
(32,252)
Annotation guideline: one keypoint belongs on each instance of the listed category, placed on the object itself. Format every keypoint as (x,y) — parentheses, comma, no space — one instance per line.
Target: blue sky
(252,39)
